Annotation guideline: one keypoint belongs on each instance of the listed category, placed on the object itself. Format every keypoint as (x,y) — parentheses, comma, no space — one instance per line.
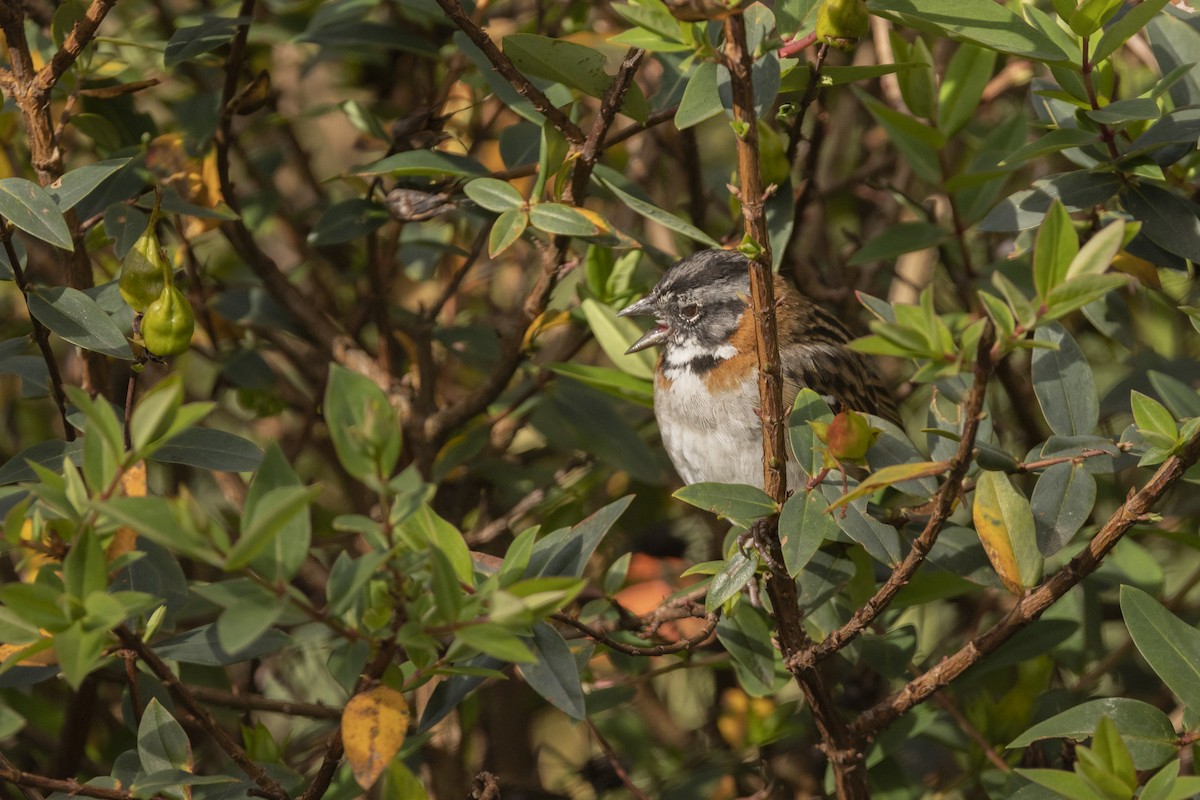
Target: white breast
(712,438)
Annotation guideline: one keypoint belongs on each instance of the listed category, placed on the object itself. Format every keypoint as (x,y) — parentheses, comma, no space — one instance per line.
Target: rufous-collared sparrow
(706,382)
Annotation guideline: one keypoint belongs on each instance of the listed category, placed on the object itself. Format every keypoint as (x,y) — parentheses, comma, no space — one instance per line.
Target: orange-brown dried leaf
(374,724)
(133,484)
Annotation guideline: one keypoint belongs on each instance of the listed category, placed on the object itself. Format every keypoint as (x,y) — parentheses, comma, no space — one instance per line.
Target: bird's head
(696,305)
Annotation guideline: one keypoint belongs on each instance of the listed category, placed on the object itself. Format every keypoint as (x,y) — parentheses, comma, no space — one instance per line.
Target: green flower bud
(145,270)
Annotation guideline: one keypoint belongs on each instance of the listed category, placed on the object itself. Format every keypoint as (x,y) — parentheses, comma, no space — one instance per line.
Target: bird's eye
(690,311)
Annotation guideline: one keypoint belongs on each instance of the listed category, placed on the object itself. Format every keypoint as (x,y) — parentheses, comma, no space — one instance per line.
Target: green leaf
(1122,111)
(1146,731)
(1160,785)
(554,674)
(1053,142)
(615,335)
(566,552)
(917,142)
(346,221)
(1170,646)
(190,41)
(201,646)
(32,209)
(700,99)
(1079,291)
(425,163)
(77,184)
(79,651)
(562,220)
(1098,252)
(1064,784)
(619,185)
(495,641)
(1006,528)
(507,228)
(980,22)
(740,503)
(733,576)
(434,532)
(1090,15)
(162,743)
(243,623)
(85,569)
(1057,245)
(265,519)
(1113,754)
(1180,399)
(494,195)
(903,237)
(289,548)
(609,380)
(1168,220)
(1063,383)
(1062,502)
(80,320)
(572,65)
(963,82)
(211,449)
(1129,23)
(803,526)
(362,425)
(1153,420)
(746,633)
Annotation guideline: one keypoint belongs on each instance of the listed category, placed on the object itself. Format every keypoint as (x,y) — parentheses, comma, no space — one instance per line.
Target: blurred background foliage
(404,477)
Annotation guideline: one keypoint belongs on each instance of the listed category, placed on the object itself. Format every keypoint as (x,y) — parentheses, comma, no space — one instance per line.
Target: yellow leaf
(896,473)
(1145,272)
(133,482)
(40,657)
(374,725)
(545,321)
(1005,526)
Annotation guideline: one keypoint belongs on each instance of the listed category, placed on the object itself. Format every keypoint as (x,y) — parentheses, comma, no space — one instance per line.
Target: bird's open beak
(657,334)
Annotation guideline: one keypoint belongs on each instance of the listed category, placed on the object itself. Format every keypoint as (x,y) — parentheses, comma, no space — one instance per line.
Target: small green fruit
(144,271)
(168,324)
(841,23)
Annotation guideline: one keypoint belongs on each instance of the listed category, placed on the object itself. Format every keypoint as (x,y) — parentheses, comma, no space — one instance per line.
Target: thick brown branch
(183,695)
(1035,603)
(80,37)
(594,145)
(510,73)
(848,762)
(943,504)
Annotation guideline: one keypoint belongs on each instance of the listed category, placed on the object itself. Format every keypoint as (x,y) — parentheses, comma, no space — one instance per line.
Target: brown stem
(1034,603)
(28,783)
(40,334)
(848,761)
(185,698)
(1106,133)
(614,761)
(943,505)
(598,635)
(806,100)
(510,73)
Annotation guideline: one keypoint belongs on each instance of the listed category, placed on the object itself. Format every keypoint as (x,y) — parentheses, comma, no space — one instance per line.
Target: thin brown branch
(600,636)
(1034,603)
(256,702)
(40,334)
(614,761)
(510,73)
(593,146)
(795,133)
(943,505)
(183,695)
(29,783)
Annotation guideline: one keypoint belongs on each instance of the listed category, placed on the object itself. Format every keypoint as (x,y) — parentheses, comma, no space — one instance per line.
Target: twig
(589,153)
(847,759)
(256,702)
(204,717)
(510,73)
(806,100)
(1033,604)
(614,761)
(40,334)
(943,504)
(598,635)
(28,783)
